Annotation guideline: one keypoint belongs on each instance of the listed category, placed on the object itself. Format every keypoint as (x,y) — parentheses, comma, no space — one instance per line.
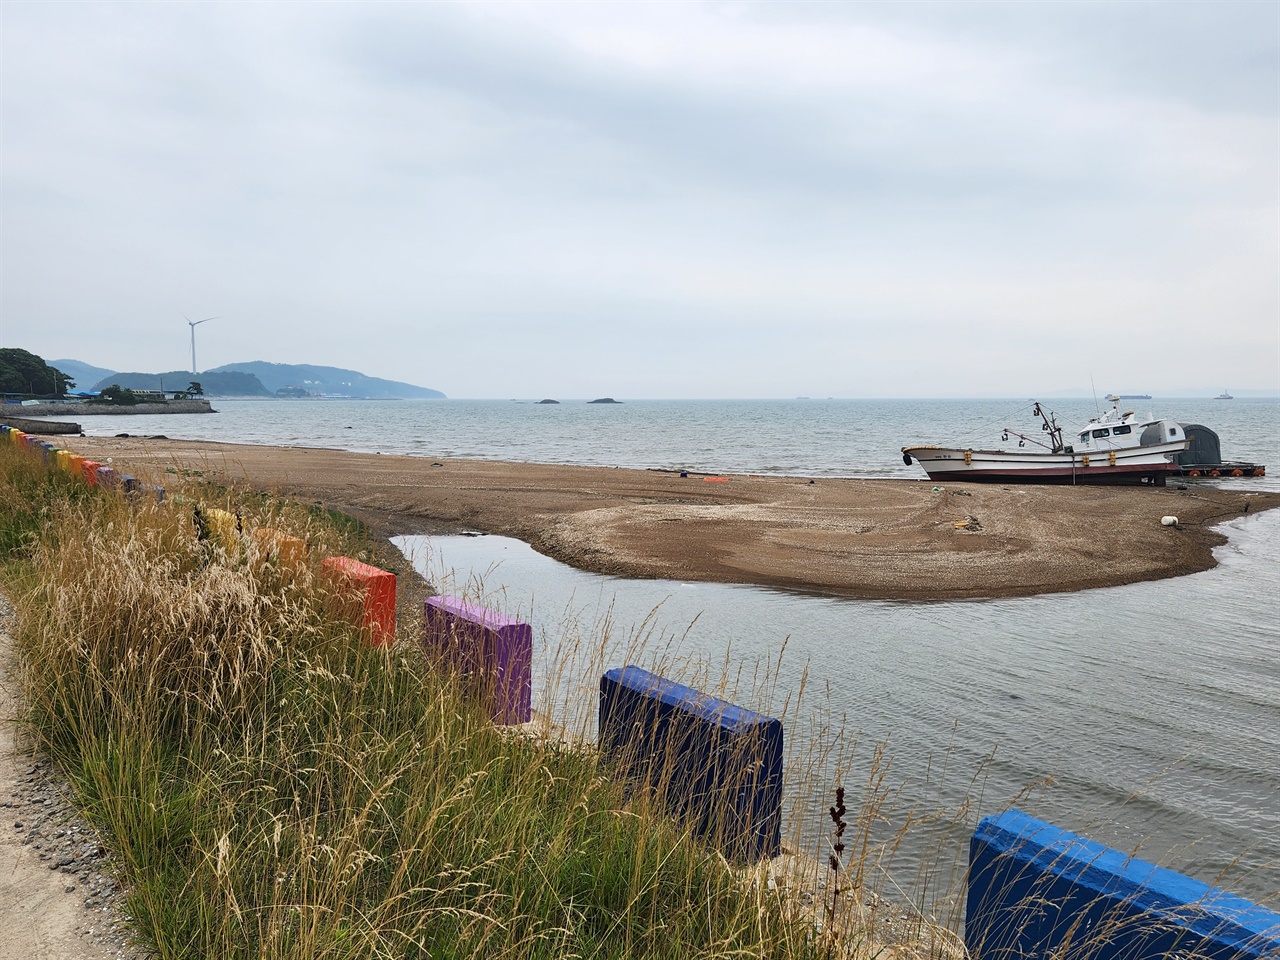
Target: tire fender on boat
(906,458)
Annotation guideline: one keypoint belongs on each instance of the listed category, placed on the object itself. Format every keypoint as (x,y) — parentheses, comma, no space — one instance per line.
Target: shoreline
(867,539)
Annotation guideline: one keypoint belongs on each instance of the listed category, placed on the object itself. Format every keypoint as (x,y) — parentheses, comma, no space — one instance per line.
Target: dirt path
(57,899)
(877,539)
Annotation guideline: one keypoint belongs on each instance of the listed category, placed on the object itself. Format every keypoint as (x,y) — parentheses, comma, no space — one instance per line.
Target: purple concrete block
(106,478)
(495,650)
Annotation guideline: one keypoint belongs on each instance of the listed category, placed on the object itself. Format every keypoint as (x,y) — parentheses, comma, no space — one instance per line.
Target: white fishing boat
(1112,448)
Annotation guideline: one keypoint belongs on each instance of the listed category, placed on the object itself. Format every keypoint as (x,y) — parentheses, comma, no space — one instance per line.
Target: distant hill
(84,374)
(326,381)
(213,383)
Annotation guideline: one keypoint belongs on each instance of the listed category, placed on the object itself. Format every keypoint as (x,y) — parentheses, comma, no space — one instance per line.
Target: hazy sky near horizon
(651,199)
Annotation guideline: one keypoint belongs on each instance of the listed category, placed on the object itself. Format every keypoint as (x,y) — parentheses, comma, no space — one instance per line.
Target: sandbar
(872,539)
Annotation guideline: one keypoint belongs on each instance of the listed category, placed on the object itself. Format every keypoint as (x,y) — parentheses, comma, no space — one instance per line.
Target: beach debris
(968,523)
(1169,521)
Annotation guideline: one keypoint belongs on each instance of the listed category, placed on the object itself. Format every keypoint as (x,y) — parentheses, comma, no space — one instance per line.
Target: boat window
(1121,431)
(1084,437)
(1104,432)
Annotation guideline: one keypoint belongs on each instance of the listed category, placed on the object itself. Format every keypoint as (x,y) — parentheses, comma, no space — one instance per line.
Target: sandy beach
(875,539)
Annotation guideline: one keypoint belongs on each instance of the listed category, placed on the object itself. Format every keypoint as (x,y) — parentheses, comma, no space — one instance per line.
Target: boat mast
(1050,426)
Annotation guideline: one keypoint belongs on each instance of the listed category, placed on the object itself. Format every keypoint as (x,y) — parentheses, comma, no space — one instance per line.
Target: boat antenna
(1097,408)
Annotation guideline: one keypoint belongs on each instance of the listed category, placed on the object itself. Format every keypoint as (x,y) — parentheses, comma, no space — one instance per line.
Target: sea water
(834,438)
(1146,716)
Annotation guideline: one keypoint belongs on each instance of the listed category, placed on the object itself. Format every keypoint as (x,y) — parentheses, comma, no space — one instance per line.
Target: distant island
(328,381)
(548,401)
(256,378)
(605,400)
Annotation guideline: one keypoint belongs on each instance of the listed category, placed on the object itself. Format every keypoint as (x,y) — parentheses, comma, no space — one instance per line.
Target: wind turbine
(193,324)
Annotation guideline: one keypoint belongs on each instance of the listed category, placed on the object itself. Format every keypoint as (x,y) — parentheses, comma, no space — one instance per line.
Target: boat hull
(1150,465)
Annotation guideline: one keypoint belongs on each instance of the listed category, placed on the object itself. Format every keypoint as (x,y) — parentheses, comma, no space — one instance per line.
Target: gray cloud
(682,199)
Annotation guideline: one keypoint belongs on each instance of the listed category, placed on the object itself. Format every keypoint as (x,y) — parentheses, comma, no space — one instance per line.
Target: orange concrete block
(289,551)
(73,463)
(375,591)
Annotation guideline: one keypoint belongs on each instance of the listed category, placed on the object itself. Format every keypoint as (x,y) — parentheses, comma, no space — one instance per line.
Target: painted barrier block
(106,478)
(714,765)
(73,464)
(16,437)
(375,593)
(288,551)
(495,651)
(62,460)
(89,472)
(127,483)
(1036,890)
(218,526)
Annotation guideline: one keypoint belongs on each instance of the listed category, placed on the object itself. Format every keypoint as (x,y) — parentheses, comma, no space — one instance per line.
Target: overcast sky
(651,200)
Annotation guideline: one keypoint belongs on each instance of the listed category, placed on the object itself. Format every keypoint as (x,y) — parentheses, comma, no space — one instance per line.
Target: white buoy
(1169,521)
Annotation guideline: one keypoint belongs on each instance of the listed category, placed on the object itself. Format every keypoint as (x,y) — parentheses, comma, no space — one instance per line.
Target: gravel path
(58,897)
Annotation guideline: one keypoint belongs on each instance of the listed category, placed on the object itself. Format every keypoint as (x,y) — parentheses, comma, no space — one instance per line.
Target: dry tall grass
(276,788)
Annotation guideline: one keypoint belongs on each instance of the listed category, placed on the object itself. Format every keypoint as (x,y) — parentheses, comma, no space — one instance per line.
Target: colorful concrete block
(106,478)
(288,551)
(714,765)
(494,651)
(373,595)
(218,526)
(89,472)
(1036,890)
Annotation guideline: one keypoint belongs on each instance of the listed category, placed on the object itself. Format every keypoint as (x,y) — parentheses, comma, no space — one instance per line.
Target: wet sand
(875,539)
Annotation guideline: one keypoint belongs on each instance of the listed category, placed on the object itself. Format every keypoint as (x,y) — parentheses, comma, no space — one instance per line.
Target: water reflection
(1154,708)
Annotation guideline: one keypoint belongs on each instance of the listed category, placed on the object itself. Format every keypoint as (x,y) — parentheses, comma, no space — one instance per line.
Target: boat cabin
(1115,430)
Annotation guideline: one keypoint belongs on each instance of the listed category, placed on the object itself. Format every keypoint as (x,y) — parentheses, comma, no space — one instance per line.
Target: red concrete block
(376,592)
(89,471)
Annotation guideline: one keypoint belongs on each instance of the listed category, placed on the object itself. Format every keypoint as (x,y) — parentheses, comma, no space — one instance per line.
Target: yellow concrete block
(221,527)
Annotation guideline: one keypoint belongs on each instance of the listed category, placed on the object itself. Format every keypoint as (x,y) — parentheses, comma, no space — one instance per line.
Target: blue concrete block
(1036,890)
(715,766)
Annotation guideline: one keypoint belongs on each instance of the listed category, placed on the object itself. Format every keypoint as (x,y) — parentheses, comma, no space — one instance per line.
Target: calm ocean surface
(1154,708)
